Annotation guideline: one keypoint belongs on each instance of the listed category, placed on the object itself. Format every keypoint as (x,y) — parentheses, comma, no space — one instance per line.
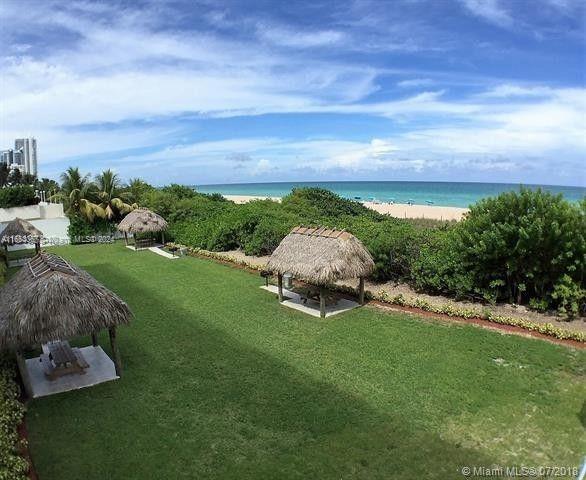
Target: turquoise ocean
(452,194)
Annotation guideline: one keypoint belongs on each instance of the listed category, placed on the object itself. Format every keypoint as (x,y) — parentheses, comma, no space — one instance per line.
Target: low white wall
(26,213)
(51,210)
(54,232)
(32,212)
(48,218)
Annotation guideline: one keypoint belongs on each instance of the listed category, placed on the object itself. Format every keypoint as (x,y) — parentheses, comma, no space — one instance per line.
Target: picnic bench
(58,359)
(313,293)
(143,243)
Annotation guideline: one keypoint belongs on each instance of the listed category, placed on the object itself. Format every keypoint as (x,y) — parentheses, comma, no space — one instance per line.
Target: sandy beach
(399,210)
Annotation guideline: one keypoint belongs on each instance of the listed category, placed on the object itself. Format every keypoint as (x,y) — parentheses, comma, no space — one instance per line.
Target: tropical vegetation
(526,247)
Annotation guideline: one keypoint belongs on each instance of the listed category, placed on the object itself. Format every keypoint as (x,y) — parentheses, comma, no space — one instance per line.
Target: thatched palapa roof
(50,299)
(20,231)
(321,256)
(142,220)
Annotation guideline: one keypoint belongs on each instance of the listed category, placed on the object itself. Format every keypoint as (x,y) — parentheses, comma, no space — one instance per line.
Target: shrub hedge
(527,247)
(17,196)
(12,465)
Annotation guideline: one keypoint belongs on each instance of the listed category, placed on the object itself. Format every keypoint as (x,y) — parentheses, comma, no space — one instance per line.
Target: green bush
(393,243)
(518,245)
(81,231)
(17,196)
(12,465)
(266,236)
(569,297)
(315,205)
(515,247)
(438,267)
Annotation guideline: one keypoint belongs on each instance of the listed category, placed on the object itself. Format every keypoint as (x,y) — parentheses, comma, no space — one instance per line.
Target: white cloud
(287,37)
(490,10)
(262,166)
(508,90)
(415,82)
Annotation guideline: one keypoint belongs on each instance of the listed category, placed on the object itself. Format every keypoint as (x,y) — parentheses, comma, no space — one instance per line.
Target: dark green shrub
(393,243)
(438,267)
(81,231)
(569,297)
(266,236)
(17,196)
(519,245)
(12,465)
(316,204)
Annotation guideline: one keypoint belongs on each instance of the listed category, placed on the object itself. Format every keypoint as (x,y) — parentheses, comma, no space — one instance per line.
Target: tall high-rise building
(7,157)
(28,151)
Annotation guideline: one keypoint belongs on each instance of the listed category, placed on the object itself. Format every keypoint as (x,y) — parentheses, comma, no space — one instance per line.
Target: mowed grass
(220,381)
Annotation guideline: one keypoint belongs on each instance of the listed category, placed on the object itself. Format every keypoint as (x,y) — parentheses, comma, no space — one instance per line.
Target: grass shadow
(195,402)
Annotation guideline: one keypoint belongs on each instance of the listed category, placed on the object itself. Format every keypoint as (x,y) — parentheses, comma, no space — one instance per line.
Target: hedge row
(12,465)
(445,309)
(17,196)
(483,314)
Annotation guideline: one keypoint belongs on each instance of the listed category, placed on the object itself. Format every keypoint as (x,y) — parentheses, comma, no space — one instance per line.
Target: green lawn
(222,382)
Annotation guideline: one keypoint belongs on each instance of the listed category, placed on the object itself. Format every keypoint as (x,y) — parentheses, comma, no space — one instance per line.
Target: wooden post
(163,237)
(95,339)
(26,379)
(280,284)
(361,291)
(115,351)
(322,302)
(37,247)
(126,238)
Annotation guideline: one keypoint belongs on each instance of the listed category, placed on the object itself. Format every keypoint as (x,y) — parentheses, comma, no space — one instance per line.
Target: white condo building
(23,157)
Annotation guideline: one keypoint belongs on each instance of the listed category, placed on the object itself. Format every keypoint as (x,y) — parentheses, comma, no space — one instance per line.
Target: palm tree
(76,189)
(137,188)
(111,200)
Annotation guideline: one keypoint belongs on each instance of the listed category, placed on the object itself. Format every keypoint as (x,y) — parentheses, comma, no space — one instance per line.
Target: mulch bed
(23,434)
(25,452)
(509,329)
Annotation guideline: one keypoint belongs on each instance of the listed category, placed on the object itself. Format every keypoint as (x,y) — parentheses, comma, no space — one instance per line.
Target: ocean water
(452,194)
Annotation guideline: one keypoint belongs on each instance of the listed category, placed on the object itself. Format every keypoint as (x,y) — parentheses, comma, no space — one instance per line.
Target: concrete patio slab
(101,369)
(132,247)
(160,251)
(293,300)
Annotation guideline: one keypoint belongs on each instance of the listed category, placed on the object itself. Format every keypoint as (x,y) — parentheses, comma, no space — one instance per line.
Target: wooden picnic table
(60,359)
(143,243)
(313,293)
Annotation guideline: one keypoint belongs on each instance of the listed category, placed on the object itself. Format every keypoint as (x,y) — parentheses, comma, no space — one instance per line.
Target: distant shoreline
(398,210)
(445,194)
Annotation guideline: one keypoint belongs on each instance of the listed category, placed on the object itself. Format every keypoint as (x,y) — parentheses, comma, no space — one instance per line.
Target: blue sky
(240,91)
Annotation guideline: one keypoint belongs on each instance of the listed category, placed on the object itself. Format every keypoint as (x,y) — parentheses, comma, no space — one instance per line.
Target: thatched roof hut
(320,256)
(20,231)
(142,220)
(50,299)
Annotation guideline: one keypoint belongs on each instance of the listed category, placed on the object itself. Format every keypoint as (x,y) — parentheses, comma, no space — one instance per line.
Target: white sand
(399,210)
